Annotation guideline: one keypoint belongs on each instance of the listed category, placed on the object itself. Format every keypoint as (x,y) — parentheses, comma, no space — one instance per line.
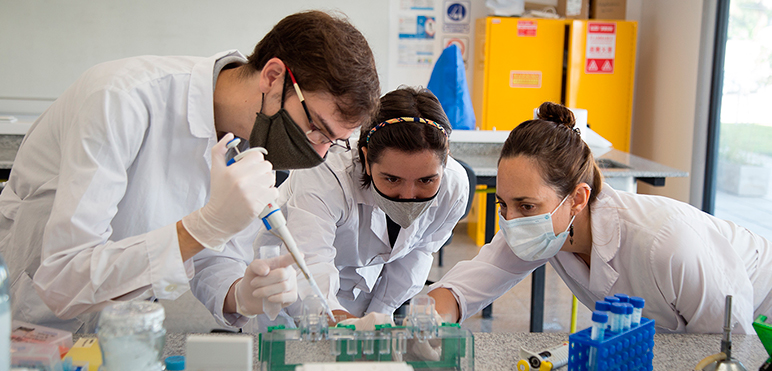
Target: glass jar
(132,336)
(5,318)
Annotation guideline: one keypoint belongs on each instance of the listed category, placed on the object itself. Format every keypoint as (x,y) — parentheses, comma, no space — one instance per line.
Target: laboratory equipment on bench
(5,317)
(546,360)
(764,330)
(275,223)
(314,342)
(132,336)
(723,361)
(616,348)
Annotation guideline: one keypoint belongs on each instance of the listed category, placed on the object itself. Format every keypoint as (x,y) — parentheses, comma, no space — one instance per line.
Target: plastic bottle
(638,304)
(269,308)
(175,363)
(5,318)
(132,337)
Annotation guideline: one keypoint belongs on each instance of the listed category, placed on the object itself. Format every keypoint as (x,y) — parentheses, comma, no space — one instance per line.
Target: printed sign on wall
(601,47)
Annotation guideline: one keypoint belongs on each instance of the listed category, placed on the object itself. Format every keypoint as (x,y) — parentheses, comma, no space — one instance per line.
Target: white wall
(666,94)
(47,44)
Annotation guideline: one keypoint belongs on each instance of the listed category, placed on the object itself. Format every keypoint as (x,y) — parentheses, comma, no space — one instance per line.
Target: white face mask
(533,238)
(402,211)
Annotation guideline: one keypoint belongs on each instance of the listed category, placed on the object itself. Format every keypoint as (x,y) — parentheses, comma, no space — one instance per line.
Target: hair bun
(557,113)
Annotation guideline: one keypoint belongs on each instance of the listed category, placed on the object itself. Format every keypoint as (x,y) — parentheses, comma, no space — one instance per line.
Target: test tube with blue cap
(623,298)
(627,319)
(275,222)
(611,299)
(617,316)
(599,321)
(638,304)
(603,307)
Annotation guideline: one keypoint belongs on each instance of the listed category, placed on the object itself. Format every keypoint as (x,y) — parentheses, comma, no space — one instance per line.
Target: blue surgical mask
(533,238)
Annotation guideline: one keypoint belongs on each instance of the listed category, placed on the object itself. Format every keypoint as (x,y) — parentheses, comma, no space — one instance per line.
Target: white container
(132,336)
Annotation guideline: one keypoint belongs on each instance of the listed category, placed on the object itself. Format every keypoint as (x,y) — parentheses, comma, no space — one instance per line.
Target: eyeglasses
(315,135)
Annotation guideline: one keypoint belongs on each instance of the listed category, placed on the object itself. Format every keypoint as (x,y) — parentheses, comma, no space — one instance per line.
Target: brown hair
(564,158)
(328,54)
(408,137)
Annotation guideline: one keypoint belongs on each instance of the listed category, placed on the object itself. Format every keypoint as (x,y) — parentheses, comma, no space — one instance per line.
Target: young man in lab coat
(122,181)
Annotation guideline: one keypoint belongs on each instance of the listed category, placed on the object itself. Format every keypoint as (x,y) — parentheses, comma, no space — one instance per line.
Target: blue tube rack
(630,350)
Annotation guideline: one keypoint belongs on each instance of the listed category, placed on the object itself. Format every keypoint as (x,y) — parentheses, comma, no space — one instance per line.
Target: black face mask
(288,146)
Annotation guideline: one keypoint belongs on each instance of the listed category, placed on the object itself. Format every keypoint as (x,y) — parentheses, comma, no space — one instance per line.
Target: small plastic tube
(599,321)
(627,319)
(605,308)
(611,299)
(623,298)
(617,313)
(638,304)
(269,308)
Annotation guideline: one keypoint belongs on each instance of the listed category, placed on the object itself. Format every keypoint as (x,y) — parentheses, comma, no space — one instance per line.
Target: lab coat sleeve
(81,268)
(695,267)
(312,214)
(216,273)
(404,278)
(478,282)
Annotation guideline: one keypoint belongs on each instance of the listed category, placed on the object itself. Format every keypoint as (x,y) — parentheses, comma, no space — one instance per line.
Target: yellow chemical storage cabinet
(518,64)
(600,75)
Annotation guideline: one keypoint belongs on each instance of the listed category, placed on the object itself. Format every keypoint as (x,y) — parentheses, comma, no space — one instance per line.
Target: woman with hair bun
(555,207)
(369,220)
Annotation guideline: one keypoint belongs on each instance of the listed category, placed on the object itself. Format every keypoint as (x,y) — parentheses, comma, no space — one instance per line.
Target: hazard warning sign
(601,47)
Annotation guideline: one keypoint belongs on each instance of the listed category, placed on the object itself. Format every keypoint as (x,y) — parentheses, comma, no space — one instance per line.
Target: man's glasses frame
(337,145)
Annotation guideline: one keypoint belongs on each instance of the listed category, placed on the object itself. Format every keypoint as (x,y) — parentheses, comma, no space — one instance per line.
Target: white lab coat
(98,184)
(682,261)
(343,235)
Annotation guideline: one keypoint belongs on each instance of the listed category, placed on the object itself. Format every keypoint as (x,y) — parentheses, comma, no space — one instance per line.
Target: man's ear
(272,73)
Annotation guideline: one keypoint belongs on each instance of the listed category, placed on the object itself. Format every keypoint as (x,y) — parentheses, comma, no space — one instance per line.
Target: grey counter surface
(500,351)
(9,144)
(483,158)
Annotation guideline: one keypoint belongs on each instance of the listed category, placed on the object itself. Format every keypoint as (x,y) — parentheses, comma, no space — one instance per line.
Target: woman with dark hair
(368,225)
(555,207)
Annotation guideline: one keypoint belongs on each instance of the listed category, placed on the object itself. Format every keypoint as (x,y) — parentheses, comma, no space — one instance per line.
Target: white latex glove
(272,279)
(368,322)
(238,193)
(426,350)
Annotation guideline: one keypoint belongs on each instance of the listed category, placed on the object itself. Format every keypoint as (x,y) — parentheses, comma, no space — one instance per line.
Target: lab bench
(621,170)
(500,351)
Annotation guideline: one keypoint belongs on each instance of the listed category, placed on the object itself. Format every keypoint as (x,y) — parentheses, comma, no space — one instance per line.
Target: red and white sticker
(601,47)
(526,28)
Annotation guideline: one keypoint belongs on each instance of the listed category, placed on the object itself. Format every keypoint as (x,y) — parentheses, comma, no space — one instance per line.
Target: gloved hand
(425,350)
(238,193)
(368,322)
(273,280)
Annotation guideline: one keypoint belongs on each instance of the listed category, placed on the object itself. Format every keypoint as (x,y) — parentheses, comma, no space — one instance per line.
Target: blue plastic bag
(448,83)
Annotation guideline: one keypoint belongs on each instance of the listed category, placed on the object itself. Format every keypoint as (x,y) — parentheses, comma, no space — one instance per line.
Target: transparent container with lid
(5,318)
(132,336)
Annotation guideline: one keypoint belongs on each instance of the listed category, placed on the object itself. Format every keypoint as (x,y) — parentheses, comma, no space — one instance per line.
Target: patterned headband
(406,119)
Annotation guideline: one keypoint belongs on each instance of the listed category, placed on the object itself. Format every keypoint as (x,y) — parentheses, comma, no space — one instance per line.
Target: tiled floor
(511,312)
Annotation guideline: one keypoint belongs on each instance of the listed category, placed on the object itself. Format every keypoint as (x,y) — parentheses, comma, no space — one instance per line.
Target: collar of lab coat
(606,240)
(201,94)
